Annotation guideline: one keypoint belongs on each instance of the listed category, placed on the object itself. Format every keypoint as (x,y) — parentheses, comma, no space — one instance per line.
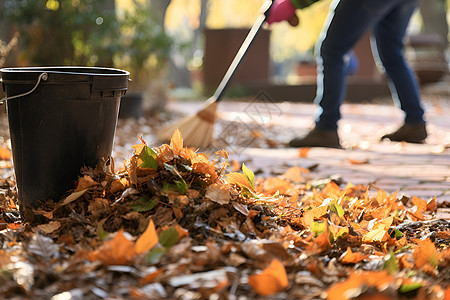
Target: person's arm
(284,10)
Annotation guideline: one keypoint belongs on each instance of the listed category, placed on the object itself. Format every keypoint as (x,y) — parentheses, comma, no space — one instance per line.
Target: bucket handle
(42,76)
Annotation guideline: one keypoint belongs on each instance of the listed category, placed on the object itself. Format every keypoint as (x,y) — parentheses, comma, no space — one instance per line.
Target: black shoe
(411,133)
(318,138)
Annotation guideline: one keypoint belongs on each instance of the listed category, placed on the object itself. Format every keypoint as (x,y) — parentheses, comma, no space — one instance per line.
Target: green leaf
(335,207)
(143,203)
(169,237)
(168,188)
(172,169)
(406,288)
(102,234)
(249,174)
(155,254)
(390,263)
(403,249)
(181,185)
(318,227)
(398,234)
(148,157)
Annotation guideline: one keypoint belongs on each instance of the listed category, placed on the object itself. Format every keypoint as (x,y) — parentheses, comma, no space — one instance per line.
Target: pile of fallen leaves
(173,223)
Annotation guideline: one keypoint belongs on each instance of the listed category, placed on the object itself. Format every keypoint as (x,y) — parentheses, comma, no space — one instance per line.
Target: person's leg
(389,33)
(346,23)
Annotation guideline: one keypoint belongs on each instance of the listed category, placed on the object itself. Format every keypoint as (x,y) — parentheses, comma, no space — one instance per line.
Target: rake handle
(218,94)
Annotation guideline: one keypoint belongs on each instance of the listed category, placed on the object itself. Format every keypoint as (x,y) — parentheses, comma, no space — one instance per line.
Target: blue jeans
(346,23)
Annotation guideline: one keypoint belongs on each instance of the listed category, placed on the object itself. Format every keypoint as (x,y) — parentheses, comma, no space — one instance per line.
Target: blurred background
(181,49)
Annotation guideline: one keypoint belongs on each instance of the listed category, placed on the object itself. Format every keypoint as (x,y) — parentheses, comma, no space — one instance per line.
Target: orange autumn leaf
(416,214)
(176,142)
(149,278)
(119,185)
(13,226)
(138,148)
(117,251)
(181,232)
(420,203)
(303,152)
(431,204)
(147,240)
(425,254)
(321,243)
(350,257)
(188,153)
(319,211)
(332,190)
(294,174)
(375,279)
(271,280)
(379,232)
(205,168)
(239,179)
(357,161)
(404,263)
(273,185)
(307,219)
(447,294)
(5,154)
(375,235)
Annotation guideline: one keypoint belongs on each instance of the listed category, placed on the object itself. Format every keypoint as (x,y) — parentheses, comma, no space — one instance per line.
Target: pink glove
(281,10)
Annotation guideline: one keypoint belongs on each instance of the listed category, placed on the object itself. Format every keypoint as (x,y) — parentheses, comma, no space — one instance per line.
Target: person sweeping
(346,22)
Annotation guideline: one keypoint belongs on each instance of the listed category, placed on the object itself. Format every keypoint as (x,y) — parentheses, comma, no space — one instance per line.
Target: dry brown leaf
(164,153)
(98,206)
(218,193)
(119,185)
(49,227)
(222,153)
(147,240)
(5,258)
(85,183)
(72,197)
(271,280)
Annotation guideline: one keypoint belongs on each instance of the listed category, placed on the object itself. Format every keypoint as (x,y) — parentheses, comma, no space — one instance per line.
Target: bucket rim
(71,70)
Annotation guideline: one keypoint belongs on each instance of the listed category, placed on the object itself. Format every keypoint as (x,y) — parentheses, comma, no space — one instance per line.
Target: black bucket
(60,119)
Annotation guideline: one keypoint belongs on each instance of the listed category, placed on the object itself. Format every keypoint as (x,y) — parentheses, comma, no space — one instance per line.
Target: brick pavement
(412,169)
